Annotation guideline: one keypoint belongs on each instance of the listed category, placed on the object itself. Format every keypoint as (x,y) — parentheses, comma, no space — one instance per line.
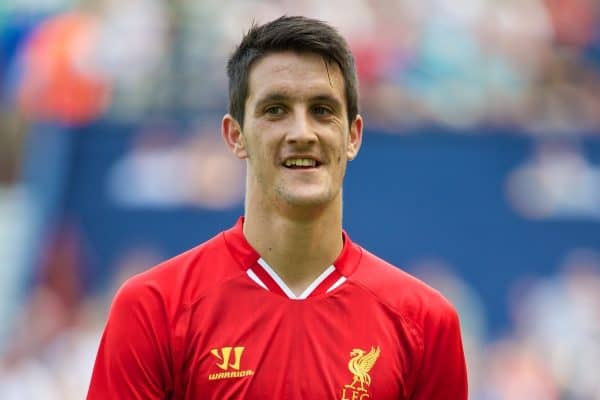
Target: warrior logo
(231,367)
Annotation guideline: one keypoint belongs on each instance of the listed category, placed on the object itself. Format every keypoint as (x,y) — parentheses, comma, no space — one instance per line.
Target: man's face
(296,136)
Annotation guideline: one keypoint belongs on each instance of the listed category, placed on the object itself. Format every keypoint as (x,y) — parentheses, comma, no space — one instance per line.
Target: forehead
(297,75)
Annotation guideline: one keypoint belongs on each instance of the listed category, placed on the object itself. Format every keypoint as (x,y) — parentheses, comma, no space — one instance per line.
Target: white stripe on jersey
(285,287)
(317,282)
(337,283)
(277,279)
(255,278)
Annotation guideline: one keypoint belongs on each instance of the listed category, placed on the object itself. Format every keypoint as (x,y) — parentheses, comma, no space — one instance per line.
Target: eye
(322,110)
(274,110)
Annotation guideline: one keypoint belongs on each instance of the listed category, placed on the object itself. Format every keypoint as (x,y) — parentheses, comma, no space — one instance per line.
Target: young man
(283,305)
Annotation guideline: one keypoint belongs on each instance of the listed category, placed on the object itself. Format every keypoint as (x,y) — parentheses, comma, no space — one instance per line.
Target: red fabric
(197,327)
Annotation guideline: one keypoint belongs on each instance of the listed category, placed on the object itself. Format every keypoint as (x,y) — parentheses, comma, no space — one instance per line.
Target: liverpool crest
(361,363)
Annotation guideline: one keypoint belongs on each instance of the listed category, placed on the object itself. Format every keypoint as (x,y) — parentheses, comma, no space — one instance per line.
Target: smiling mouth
(301,163)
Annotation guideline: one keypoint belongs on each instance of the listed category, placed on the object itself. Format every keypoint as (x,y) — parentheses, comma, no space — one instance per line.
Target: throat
(297,250)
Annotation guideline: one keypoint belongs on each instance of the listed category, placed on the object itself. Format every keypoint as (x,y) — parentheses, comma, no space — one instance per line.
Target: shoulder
(429,319)
(403,293)
(181,280)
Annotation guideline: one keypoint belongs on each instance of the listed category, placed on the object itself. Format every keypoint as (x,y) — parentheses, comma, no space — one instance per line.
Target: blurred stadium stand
(480,170)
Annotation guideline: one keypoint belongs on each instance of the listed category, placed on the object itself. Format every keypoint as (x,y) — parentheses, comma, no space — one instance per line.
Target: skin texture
(295,109)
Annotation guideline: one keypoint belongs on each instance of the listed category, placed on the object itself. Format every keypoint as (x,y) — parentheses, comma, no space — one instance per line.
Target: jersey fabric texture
(216,322)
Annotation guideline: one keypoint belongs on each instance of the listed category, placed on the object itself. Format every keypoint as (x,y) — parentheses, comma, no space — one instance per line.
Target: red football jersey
(217,323)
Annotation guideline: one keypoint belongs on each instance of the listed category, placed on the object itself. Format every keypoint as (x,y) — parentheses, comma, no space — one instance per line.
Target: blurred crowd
(524,66)
(532,65)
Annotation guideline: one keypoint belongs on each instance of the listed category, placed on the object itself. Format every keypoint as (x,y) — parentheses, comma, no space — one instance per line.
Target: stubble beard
(290,197)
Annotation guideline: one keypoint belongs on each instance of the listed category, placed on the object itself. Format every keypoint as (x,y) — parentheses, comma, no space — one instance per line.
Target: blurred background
(479,173)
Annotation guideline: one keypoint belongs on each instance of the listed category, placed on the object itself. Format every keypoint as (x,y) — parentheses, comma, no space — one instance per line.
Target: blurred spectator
(55,295)
(559,319)
(59,83)
(514,372)
(195,171)
(12,137)
(15,215)
(132,53)
(558,182)
(575,21)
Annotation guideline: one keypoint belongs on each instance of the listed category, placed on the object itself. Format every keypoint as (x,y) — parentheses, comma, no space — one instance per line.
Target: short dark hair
(299,34)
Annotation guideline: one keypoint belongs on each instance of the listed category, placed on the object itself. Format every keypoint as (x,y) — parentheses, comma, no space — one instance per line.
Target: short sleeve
(443,372)
(133,356)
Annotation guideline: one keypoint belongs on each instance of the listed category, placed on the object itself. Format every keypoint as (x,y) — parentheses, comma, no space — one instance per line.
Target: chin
(307,199)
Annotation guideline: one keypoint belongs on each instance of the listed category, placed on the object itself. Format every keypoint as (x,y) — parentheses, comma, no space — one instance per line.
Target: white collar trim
(285,288)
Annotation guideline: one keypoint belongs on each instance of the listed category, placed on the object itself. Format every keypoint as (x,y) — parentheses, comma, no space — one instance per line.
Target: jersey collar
(259,271)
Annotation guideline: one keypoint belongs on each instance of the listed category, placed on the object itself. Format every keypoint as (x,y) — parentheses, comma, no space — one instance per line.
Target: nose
(301,131)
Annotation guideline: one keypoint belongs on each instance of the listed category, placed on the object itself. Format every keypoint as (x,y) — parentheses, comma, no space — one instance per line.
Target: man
(283,305)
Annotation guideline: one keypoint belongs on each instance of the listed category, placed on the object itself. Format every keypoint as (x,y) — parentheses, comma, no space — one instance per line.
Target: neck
(299,246)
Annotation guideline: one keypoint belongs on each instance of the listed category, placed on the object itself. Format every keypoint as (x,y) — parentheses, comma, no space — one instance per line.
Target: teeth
(300,162)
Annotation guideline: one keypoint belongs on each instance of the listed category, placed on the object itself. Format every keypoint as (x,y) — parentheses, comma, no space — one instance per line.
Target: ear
(232,134)
(355,138)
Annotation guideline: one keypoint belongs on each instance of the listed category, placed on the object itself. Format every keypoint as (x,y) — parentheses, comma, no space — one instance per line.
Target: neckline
(267,278)
(261,273)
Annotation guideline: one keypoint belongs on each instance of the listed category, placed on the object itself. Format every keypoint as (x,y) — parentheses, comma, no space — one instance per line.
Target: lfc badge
(361,362)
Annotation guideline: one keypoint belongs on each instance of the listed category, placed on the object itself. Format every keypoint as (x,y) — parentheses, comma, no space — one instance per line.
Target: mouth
(301,163)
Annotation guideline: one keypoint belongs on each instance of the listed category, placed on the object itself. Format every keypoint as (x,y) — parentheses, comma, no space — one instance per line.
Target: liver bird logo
(360,364)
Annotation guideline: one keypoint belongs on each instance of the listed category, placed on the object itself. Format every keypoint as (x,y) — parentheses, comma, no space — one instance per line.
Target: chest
(259,345)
